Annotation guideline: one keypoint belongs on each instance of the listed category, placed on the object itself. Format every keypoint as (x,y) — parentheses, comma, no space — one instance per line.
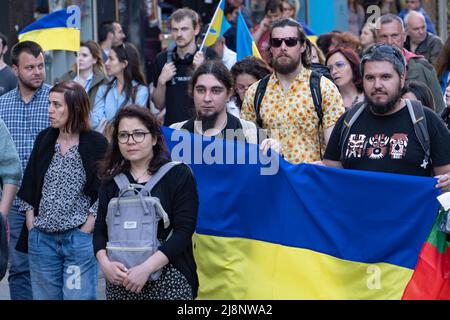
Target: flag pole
(78,65)
(209,27)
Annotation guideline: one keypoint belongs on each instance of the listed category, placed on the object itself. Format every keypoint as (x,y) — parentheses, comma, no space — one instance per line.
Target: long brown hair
(442,62)
(114,162)
(127,52)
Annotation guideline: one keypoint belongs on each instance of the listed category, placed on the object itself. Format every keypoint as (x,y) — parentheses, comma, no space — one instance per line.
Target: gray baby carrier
(132,221)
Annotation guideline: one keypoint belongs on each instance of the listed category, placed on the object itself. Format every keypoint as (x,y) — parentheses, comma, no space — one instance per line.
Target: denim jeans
(62,265)
(19,271)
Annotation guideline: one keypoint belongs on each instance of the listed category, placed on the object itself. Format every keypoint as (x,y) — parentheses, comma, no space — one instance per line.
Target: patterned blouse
(292,118)
(63,205)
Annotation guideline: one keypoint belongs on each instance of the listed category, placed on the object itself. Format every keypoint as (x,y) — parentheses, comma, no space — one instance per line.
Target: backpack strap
(419,121)
(158,176)
(122,181)
(314,85)
(259,95)
(350,117)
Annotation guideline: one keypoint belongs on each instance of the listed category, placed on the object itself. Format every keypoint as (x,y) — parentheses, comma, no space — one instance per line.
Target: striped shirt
(25,120)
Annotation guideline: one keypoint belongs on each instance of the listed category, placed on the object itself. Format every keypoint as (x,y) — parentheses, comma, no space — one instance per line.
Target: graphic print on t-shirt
(377,146)
(399,142)
(355,146)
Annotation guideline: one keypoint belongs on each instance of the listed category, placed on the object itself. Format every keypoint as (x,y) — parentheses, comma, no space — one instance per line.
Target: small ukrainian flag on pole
(218,26)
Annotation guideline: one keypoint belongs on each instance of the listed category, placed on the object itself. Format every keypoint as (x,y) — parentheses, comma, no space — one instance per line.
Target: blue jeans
(19,271)
(62,265)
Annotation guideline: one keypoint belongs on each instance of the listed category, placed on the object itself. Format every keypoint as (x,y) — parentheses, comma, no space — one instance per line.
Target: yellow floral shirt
(291,118)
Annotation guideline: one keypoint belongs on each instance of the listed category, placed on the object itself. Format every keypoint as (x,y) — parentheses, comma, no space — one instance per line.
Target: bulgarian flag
(431,278)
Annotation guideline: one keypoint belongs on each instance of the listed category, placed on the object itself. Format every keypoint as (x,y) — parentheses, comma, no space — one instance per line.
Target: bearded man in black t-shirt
(383,138)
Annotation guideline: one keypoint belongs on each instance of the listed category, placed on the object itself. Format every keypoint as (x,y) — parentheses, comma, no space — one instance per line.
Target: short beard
(285,68)
(383,108)
(28,85)
(208,121)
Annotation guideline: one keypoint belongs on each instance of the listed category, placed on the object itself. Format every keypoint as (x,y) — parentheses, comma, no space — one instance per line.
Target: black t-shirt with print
(179,104)
(389,144)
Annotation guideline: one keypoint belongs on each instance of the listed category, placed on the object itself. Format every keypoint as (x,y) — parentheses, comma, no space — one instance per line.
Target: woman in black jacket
(59,191)
(138,150)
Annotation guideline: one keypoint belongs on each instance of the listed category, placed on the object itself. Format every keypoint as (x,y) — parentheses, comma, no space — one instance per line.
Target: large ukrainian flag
(307,232)
(245,46)
(59,30)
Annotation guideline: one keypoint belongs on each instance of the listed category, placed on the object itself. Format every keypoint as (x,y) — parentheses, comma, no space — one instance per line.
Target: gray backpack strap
(159,175)
(121,181)
(417,115)
(350,117)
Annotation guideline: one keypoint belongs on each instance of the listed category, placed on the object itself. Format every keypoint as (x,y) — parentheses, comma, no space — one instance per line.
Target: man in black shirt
(383,137)
(173,68)
(212,85)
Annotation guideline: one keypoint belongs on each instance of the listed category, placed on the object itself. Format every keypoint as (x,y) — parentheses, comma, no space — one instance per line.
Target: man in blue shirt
(24,111)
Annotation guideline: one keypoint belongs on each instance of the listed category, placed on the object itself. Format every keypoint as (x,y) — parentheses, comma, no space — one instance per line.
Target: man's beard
(383,108)
(208,120)
(285,68)
(27,84)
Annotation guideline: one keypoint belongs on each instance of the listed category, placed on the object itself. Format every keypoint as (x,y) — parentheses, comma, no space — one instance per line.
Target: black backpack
(314,84)
(418,119)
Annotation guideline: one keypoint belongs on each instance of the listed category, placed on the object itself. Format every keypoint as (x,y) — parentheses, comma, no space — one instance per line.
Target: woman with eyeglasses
(59,190)
(91,74)
(245,72)
(138,150)
(127,86)
(344,66)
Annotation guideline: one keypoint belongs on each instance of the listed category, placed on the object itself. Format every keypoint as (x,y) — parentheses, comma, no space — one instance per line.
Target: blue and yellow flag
(219,25)
(245,46)
(304,232)
(59,30)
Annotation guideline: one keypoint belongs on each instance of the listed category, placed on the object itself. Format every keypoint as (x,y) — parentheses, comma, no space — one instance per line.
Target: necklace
(136,178)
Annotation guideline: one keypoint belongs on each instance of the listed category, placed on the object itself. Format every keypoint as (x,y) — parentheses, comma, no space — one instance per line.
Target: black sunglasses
(290,42)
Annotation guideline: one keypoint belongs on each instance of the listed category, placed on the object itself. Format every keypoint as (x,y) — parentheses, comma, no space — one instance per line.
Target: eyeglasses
(138,136)
(290,42)
(339,65)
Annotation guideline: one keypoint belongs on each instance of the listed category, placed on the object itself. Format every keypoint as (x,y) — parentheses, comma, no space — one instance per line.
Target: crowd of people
(375,97)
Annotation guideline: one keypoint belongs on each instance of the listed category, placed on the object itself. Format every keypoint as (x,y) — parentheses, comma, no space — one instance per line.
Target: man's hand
(167,73)
(199,58)
(267,144)
(443,182)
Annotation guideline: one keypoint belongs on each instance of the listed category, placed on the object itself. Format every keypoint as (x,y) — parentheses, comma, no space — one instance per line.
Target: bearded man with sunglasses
(287,109)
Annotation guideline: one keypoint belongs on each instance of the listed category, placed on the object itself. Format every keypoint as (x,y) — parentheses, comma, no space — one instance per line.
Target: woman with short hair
(59,191)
